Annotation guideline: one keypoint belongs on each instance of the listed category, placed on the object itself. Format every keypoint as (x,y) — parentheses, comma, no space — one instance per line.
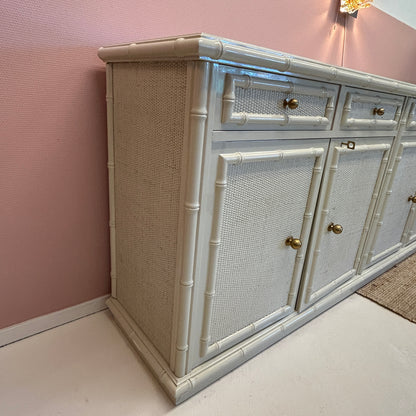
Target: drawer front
(411,117)
(276,102)
(370,110)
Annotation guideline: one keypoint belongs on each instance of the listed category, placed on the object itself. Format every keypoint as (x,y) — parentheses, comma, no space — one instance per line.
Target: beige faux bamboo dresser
(250,191)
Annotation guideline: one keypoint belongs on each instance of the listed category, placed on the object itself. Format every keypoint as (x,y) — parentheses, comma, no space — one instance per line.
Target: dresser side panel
(149,123)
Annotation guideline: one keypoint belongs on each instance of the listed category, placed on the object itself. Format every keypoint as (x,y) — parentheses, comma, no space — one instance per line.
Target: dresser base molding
(180,389)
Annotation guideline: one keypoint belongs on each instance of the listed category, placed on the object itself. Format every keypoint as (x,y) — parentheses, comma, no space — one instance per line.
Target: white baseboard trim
(51,320)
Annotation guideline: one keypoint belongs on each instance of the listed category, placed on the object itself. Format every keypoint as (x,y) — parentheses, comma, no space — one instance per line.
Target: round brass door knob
(379,111)
(293,103)
(295,243)
(412,198)
(335,228)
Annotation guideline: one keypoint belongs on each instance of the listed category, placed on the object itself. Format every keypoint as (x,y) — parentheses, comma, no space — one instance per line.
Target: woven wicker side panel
(398,206)
(264,204)
(349,202)
(259,101)
(149,105)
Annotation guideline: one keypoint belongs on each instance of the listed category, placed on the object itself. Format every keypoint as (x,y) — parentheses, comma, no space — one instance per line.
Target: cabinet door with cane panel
(395,226)
(353,177)
(263,199)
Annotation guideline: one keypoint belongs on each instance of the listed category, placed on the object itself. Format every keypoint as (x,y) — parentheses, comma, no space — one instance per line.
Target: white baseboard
(51,320)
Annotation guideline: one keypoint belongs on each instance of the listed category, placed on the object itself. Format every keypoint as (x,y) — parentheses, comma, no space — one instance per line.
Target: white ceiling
(403,10)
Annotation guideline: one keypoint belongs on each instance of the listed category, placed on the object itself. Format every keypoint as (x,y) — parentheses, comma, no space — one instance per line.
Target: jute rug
(395,289)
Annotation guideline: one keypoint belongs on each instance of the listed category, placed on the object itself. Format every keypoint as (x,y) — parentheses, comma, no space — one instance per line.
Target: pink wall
(379,44)
(54,237)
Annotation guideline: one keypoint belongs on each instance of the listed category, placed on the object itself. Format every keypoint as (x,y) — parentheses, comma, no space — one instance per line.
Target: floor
(355,359)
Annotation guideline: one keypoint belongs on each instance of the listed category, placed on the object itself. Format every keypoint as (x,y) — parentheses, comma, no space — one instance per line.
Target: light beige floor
(356,359)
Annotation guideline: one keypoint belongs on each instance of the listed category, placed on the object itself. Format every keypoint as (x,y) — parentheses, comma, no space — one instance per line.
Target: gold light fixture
(352,6)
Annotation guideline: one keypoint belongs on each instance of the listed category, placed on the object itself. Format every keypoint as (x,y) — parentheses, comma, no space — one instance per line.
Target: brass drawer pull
(412,198)
(293,103)
(295,243)
(335,228)
(378,111)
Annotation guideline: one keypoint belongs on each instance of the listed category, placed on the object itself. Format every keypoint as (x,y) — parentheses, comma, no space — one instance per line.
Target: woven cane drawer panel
(147,188)
(284,103)
(371,110)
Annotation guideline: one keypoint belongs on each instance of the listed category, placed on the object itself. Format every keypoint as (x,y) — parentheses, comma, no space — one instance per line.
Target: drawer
(275,102)
(364,109)
(411,117)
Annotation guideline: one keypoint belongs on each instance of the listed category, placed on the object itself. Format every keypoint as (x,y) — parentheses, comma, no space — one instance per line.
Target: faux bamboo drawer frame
(245,96)
(179,107)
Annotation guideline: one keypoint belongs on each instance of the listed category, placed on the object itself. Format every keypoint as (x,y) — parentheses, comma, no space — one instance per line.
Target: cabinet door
(261,200)
(352,180)
(395,224)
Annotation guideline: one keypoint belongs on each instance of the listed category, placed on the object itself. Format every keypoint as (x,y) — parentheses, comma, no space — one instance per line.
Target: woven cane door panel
(351,185)
(264,202)
(147,189)
(397,208)
(286,103)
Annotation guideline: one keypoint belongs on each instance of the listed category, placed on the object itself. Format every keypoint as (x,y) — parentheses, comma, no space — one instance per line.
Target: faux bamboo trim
(412,239)
(111,167)
(180,389)
(375,100)
(371,255)
(307,225)
(367,255)
(374,197)
(190,67)
(411,122)
(311,296)
(197,123)
(379,216)
(360,123)
(245,81)
(410,225)
(386,253)
(209,47)
(331,286)
(323,219)
(225,343)
(215,242)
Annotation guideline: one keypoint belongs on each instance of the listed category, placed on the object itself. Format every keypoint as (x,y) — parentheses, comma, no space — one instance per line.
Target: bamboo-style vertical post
(111,167)
(374,198)
(197,121)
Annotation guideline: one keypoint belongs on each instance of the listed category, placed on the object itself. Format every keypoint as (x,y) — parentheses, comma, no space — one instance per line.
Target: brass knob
(336,228)
(379,111)
(295,243)
(293,103)
(412,198)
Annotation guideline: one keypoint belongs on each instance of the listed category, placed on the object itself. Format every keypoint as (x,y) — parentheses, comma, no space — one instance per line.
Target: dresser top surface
(203,46)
